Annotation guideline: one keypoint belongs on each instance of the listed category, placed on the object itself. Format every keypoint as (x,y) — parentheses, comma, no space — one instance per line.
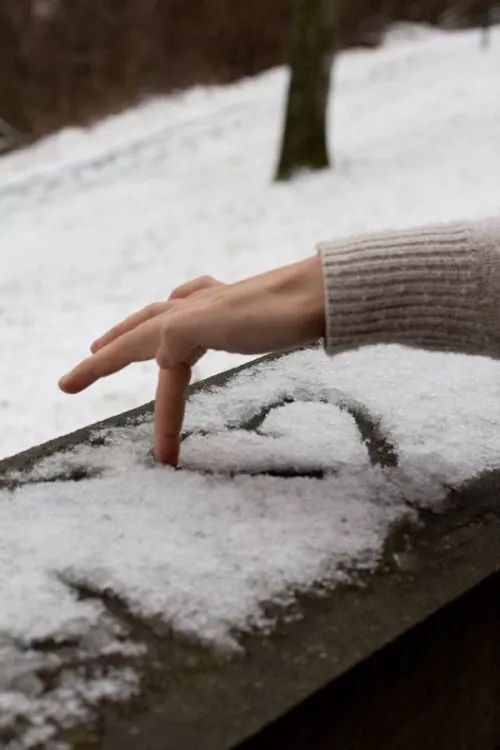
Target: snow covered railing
(318,573)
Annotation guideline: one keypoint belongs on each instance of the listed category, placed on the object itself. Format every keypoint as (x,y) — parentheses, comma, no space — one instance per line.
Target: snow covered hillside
(94,224)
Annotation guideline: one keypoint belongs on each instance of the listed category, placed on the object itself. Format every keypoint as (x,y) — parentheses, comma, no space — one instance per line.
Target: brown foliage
(68,61)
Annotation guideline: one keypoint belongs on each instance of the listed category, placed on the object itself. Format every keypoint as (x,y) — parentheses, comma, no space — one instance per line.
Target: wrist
(311,296)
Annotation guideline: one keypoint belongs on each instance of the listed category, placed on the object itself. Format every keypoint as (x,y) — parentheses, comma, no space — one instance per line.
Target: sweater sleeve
(437,287)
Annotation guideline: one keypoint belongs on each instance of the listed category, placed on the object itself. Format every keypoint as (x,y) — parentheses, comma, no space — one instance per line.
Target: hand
(277,310)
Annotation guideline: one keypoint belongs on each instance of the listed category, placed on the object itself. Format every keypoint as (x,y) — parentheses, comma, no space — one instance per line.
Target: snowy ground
(94,224)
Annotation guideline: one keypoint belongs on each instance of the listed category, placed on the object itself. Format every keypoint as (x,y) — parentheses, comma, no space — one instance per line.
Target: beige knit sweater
(437,287)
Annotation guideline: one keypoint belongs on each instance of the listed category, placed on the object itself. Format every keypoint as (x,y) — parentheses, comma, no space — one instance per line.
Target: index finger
(170,405)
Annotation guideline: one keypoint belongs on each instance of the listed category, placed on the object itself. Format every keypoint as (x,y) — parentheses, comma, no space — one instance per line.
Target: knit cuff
(420,288)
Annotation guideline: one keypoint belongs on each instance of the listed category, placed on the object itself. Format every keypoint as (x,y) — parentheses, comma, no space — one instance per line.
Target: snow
(94,224)
(251,517)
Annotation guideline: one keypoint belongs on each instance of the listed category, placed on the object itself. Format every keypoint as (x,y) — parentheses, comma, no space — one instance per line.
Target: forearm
(437,287)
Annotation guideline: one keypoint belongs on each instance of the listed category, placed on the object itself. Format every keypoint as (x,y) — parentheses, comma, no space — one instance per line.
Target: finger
(129,324)
(135,346)
(170,405)
(196,285)
(175,347)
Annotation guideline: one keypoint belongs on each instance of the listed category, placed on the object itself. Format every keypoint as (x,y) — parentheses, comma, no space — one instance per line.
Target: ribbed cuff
(434,287)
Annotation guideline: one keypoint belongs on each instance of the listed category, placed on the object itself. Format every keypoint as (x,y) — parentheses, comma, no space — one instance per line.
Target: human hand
(274,311)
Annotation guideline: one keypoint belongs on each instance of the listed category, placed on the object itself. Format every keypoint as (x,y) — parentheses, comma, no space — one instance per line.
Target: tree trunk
(485,13)
(304,144)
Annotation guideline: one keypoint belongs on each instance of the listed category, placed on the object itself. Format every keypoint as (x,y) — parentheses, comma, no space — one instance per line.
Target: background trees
(69,61)
(304,142)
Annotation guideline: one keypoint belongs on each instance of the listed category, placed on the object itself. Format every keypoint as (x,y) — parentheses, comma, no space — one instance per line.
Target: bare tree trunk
(9,139)
(486,12)
(304,144)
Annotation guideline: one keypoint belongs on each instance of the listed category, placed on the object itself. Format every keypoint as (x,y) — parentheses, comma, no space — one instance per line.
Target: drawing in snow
(278,493)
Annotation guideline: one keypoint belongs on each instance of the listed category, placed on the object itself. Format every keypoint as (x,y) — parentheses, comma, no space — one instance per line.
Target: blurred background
(69,61)
(145,142)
